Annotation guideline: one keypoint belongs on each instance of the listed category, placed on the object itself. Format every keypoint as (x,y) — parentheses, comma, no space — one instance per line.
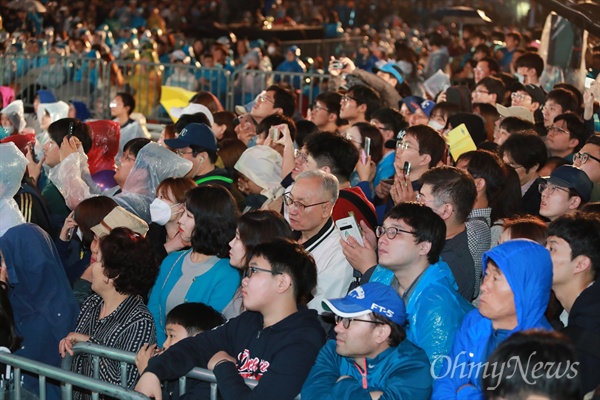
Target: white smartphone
(349,227)
(588,82)
(367,146)
(274,133)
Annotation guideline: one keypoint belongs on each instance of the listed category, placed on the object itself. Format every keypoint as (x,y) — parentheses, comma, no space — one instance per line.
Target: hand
(331,68)
(441,97)
(144,355)
(33,168)
(175,244)
(245,130)
(149,385)
(365,171)
(402,190)
(349,65)
(69,223)
(68,147)
(220,355)
(382,190)
(286,137)
(361,257)
(588,101)
(66,345)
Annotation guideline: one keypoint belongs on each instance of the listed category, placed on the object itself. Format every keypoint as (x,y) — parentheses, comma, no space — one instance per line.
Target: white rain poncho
(56,111)
(16,113)
(262,165)
(153,164)
(12,168)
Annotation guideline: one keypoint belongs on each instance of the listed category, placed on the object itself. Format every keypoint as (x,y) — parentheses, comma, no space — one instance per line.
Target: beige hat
(120,218)
(515,111)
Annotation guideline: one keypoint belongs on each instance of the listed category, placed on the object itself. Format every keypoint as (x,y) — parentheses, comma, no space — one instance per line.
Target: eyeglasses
(183,153)
(583,157)
(113,104)
(346,321)
(557,129)
(551,188)
(248,272)
(346,98)
(300,156)
(402,145)
(390,232)
(317,107)
(301,207)
(518,96)
(480,92)
(261,98)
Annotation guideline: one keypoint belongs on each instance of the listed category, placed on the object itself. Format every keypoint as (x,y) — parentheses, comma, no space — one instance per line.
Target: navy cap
(393,69)
(194,135)
(572,177)
(371,297)
(536,93)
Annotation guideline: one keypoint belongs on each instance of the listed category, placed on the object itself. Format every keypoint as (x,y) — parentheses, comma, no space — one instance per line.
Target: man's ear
(583,264)
(278,110)
(480,184)
(573,143)
(382,333)
(425,159)
(574,202)
(285,282)
(424,248)
(326,169)
(362,108)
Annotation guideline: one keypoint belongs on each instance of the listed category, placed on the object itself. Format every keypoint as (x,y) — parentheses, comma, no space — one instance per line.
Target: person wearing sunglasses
(275,342)
(588,159)
(370,356)
(566,189)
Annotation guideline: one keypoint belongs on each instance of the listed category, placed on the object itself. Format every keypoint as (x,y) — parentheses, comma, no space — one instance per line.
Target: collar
(314,241)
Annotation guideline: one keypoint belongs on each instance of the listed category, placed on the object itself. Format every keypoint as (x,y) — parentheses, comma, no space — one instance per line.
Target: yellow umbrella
(177,97)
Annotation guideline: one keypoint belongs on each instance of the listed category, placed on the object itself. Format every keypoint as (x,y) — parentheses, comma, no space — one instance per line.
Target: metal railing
(325,48)
(67,378)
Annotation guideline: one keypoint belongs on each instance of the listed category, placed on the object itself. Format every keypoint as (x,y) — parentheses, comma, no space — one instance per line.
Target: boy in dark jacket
(275,342)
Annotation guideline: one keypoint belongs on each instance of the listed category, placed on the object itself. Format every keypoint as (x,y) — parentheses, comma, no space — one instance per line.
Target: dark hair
(594,139)
(526,149)
(490,114)
(365,95)
(332,101)
(531,60)
(582,232)
(260,226)
(7,320)
(426,225)
(284,99)
(571,88)
(178,187)
(60,128)
(391,119)
(89,213)
(186,119)
(212,155)
(492,65)
(515,125)
(208,100)
(483,48)
(515,35)
(430,142)
(488,166)
(592,207)
(334,151)
(289,257)
(304,129)
(576,127)
(128,101)
(226,118)
(135,145)
(565,98)
(230,151)
(276,119)
(215,216)
(195,317)
(367,130)
(445,108)
(495,86)
(436,39)
(128,259)
(397,333)
(526,227)
(535,347)
(454,186)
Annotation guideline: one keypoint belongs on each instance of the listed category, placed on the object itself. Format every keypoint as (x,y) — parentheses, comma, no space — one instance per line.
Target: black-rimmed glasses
(289,201)
(390,232)
(346,321)
(248,272)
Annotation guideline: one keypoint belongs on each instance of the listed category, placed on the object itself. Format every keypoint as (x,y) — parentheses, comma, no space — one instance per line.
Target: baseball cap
(393,69)
(572,177)
(515,111)
(371,297)
(536,93)
(120,218)
(414,102)
(194,134)
(192,108)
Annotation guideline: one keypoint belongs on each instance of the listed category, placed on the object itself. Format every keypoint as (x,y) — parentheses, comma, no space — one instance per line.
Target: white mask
(435,125)
(8,129)
(160,211)
(271,50)
(520,77)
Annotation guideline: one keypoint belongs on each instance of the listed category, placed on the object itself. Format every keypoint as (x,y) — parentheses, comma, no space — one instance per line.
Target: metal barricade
(326,48)
(67,378)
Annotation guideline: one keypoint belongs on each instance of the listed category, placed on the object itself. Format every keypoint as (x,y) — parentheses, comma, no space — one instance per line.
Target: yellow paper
(171,96)
(460,141)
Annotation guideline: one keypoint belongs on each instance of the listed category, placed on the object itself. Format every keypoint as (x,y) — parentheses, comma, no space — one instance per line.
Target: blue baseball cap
(371,297)
(393,69)
(415,102)
(194,135)
(569,176)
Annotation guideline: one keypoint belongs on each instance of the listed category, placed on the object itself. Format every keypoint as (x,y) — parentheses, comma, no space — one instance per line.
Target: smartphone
(406,169)
(367,146)
(274,133)
(588,82)
(70,233)
(349,227)
(389,181)
(70,134)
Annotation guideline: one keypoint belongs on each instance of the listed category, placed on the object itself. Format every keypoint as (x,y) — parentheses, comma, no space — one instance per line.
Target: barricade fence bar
(325,48)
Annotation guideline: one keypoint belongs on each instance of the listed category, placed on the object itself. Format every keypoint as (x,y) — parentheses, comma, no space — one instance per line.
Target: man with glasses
(275,100)
(529,96)
(566,189)
(197,143)
(274,342)
(390,123)
(326,112)
(310,205)
(489,90)
(588,159)
(358,104)
(370,356)
(409,246)
(566,136)
(485,67)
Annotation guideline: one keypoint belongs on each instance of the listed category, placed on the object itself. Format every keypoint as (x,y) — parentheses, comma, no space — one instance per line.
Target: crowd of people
(426,220)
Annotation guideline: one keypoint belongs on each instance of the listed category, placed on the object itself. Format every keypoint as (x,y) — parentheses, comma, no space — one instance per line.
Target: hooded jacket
(279,356)
(435,309)
(528,270)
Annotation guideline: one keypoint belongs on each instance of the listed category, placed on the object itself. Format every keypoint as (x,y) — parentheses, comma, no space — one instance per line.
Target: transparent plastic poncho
(12,168)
